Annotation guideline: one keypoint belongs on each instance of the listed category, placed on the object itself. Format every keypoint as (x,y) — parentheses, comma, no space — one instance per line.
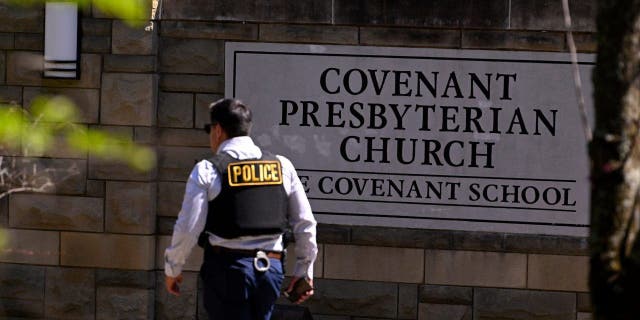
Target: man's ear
(220,132)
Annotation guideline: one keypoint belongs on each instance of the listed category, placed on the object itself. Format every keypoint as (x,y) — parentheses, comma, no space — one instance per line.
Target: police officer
(241,201)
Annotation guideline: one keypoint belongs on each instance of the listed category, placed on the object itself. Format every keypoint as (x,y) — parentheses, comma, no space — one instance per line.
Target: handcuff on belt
(261,256)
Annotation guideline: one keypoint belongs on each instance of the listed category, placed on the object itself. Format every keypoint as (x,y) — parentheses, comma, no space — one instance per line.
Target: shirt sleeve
(302,222)
(191,219)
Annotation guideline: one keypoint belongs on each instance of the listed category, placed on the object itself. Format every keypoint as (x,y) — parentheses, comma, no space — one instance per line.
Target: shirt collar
(240,148)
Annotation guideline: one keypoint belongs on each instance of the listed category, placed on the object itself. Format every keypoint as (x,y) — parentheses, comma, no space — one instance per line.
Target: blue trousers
(234,290)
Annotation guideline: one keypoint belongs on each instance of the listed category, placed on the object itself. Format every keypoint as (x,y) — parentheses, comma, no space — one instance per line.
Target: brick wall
(93,249)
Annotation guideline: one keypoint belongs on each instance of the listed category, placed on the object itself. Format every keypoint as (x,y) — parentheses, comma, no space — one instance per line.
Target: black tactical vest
(252,200)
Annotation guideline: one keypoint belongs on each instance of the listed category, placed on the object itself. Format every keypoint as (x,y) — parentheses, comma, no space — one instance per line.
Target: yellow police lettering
(252,173)
(237,171)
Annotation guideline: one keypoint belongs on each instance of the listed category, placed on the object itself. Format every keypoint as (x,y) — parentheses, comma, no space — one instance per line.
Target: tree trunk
(615,155)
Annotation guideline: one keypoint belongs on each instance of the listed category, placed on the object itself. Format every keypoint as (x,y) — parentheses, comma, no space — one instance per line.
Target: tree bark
(615,154)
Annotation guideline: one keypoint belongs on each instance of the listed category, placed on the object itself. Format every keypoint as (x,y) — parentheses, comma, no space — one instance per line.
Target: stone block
(170,195)
(192,83)
(584,302)
(96,44)
(523,304)
(288,312)
(553,272)
(29,41)
(126,39)
(124,303)
(131,252)
(21,282)
(548,15)
(561,245)
(209,30)
(194,56)
(446,295)
(124,132)
(203,101)
(175,163)
(4,212)
(58,147)
(164,225)
(374,263)
(112,170)
(25,68)
(429,311)
(6,41)
(30,247)
(584,316)
(469,268)
(331,233)
(11,95)
(70,293)
(87,101)
(170,307)
(21,18)
(586,42)
(438,38)
(312,11)
(514,40)
(20,309)
(128,99)
(95,188)
(183,137)
(358,12)
(51,212)
(125,278)
(175,110)
(307,33)
(130,207)
(3,68)
(95,27)
(484,14)
(145,135)
(407,301)
(439,13)
(398,237)
(192,263)
(127,63)
(354,298)
(60,176)
(318,265)
(488,241)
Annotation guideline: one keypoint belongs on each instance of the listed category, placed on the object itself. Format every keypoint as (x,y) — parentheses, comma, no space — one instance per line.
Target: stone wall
(93,249)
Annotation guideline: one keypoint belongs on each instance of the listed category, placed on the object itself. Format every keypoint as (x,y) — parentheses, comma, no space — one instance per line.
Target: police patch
(254,173)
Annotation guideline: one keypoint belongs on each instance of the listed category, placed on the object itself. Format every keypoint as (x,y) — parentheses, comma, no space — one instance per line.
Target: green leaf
(38,139)
(54,109)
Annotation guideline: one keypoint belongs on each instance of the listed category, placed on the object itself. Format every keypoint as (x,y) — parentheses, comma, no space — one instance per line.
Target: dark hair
(232,115)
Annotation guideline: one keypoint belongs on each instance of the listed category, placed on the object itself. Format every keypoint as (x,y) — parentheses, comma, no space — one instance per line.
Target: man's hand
(306,295)
(173,284)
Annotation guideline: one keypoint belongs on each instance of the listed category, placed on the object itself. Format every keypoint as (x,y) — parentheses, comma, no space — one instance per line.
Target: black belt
(244,252)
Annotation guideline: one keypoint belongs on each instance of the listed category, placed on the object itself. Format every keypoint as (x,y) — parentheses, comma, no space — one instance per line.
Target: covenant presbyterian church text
(420,118)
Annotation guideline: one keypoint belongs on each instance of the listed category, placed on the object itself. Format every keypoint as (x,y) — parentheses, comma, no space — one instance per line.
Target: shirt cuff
(171,270)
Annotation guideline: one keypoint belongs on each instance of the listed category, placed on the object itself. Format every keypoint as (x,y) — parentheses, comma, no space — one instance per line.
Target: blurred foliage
(133,12)
(35,131)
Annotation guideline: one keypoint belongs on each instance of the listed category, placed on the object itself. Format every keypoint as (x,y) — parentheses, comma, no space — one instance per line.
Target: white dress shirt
(204,185)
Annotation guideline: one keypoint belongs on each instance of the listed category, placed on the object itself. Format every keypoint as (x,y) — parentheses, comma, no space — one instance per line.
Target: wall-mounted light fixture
(61,45)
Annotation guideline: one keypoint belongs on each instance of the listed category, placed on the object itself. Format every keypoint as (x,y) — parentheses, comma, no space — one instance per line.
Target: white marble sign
(423,138)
